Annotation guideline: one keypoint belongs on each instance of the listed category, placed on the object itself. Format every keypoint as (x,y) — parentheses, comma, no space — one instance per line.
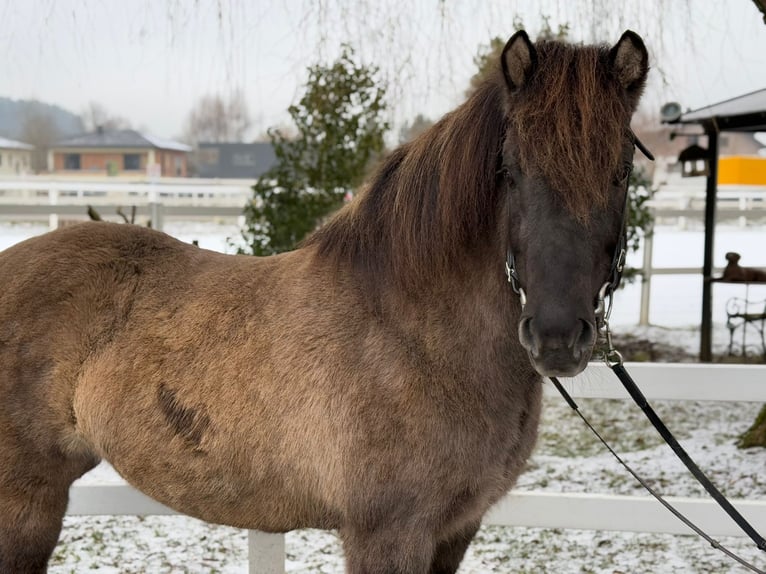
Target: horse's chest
(511,440)
(488,440)
(489,463)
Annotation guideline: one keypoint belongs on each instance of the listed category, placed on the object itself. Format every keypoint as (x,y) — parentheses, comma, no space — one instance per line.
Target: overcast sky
(150,60)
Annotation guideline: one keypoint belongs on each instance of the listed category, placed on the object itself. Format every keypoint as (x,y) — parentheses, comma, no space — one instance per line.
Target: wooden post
(706,329)
(646,279)
(53,199)
(265,553)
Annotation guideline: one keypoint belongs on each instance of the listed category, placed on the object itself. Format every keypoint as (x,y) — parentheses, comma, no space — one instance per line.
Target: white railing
(189,192)
(41,196)
(48,194)
(683,200)
(266,552)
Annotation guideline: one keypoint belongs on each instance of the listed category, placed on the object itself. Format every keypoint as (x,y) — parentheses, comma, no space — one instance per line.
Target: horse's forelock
(570,123)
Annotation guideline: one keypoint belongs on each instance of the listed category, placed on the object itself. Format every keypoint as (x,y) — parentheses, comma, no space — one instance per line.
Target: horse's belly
(213,494)
(202,468)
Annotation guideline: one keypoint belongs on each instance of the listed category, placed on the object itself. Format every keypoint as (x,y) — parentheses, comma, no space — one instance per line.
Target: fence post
(53,199)
(646,279)
(155,207)
(265,553)
(742,204)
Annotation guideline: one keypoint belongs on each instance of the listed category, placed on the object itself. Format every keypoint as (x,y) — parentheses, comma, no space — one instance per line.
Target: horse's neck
(471,306)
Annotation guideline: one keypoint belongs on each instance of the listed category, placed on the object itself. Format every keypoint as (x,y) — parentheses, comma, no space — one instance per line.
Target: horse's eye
(622,178)
(507,175)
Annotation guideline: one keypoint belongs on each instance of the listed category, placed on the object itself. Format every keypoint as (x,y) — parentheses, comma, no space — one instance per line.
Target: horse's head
(565,164)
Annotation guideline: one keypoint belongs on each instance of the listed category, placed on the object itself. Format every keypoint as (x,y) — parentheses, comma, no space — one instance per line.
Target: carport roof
(745,113)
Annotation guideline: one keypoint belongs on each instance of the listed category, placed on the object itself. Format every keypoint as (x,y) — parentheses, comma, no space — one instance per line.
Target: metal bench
(743,315)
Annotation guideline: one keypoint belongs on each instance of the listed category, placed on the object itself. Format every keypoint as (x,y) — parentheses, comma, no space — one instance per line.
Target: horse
(382,380)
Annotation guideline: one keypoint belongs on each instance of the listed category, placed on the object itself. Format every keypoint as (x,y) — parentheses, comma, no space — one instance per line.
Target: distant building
(234,160)
(15,157)
(119,152)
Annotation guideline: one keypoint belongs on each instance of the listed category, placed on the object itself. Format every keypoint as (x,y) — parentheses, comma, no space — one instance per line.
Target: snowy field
(567,459)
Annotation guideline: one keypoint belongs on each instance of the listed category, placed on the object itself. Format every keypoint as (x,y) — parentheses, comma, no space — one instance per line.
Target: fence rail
(266,552)
(153,199)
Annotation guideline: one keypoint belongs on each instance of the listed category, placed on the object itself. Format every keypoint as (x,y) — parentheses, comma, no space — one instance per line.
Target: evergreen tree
(340,123)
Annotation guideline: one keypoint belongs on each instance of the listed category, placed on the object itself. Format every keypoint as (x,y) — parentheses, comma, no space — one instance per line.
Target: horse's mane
(429,198)
(434,200)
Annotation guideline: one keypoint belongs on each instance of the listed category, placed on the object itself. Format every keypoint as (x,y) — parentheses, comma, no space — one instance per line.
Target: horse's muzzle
(557,349)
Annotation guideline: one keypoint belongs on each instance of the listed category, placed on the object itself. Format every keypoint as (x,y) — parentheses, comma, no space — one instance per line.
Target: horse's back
(79,282)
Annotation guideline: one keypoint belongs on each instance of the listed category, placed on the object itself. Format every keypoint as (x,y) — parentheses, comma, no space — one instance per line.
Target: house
(119,152)
(15,157)
(234,160)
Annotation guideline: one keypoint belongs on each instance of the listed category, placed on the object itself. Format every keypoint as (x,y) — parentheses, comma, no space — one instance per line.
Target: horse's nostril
(526,337)
(586,337)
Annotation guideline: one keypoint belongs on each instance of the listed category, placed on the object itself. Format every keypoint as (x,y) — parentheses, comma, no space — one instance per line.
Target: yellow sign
(742,170)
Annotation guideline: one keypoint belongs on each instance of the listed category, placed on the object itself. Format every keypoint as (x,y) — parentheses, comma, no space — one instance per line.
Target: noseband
(603,308)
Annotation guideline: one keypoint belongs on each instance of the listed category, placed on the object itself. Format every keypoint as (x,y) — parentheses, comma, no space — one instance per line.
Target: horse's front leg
(387,549)
(450,552)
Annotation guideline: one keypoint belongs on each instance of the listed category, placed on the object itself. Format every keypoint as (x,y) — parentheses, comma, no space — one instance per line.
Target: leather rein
(614,360)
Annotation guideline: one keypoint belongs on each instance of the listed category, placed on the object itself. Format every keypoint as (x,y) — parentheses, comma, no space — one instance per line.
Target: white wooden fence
(537,509)
(172,197)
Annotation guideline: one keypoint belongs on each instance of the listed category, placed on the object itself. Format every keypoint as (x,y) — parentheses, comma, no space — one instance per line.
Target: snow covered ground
(567,459)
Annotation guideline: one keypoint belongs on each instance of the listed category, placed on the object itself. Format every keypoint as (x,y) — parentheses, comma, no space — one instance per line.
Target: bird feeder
(694,161)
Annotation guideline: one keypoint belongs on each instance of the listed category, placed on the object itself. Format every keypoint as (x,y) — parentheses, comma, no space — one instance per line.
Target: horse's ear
(519,60)
(630,62)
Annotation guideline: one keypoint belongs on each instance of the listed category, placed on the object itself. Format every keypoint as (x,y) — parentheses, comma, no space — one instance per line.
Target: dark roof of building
(234,160)
(120,139)
(743,113)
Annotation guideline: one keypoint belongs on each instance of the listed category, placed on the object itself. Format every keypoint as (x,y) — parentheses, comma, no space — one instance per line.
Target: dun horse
(382,380)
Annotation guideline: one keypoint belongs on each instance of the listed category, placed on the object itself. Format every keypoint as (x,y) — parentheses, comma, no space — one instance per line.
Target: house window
(72,161)
(131,161)
(179,161)
(1,159)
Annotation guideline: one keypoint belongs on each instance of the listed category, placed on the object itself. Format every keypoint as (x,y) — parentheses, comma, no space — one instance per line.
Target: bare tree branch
(95,116)
(214,119)
(39,129)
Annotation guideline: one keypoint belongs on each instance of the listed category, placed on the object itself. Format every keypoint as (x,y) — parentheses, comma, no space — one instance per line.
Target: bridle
(603,309)
(603,306)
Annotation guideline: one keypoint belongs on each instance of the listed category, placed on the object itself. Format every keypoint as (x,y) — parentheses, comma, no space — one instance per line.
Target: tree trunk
(756,434)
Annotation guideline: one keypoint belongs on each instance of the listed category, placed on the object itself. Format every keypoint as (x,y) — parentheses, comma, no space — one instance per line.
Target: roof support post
(706,331)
